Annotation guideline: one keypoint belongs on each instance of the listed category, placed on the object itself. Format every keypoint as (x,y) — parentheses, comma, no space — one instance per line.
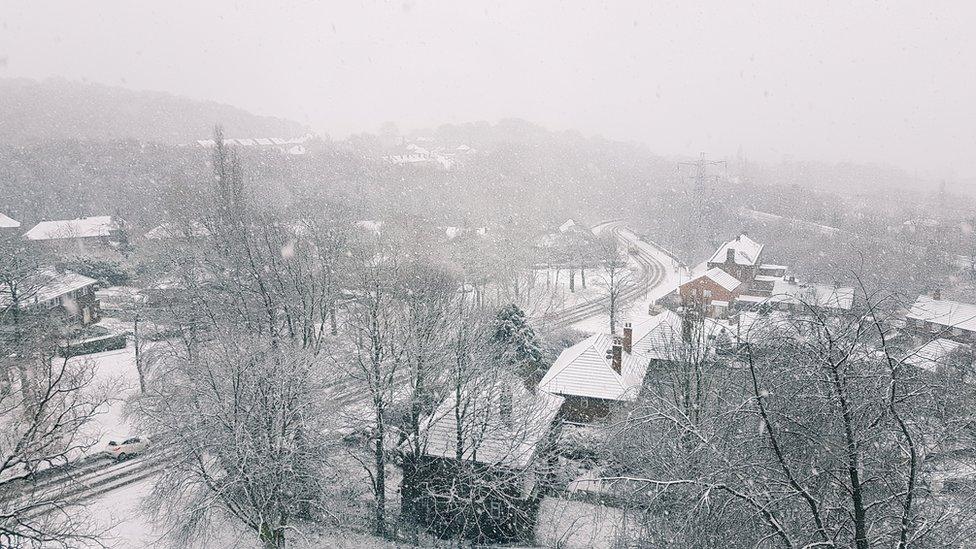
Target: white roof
(720,277)
(569,224)
(754,327)
(167,231)
(8,223)
(50,285)
(951,314)
(488,438)
(934,354)
(584,369)
(819,295)
(746,251)
(86,227)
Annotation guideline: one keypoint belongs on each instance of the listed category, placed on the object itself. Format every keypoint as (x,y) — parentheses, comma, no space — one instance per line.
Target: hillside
(33,110)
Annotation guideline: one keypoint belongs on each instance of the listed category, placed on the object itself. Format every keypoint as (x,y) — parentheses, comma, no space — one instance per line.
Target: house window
(495,508)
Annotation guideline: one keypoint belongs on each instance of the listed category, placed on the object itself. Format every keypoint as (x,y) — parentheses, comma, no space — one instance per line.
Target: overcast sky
(877,82)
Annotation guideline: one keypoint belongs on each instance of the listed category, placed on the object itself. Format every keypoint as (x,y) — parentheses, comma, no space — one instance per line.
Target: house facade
(86,235)
(932,317)
(485,464)
(66,295)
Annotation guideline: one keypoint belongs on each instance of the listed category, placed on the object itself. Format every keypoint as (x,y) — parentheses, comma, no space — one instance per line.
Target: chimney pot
(628,342)
(937,294)
(617,352)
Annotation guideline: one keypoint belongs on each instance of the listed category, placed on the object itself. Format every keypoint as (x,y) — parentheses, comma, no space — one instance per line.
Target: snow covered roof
(934,354)
(585,369)
(819,295)
(488,437)
(8,223)
(370,225)
(85,227)
(951,314)
(569,224)
(50,285)
(168,231)
(755,327)
(746,251)
(720,277)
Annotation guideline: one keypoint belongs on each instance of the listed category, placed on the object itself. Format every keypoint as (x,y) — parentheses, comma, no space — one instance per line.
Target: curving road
(652,273)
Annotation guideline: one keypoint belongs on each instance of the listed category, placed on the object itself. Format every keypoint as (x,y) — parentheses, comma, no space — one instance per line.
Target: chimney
(730,255)
(937,294)
(628,337)
(688,321)
(505,405)
(617,355)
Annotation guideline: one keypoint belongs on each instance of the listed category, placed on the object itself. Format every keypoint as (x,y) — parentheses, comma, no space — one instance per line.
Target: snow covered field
(117,371)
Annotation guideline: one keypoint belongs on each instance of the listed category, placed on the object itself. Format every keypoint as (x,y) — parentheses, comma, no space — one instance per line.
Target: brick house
(740,257)
(712,292)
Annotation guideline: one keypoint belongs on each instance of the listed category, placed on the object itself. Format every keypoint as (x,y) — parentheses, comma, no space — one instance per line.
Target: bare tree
(375,323)
(257,445)
(816,434)
(43,428)
(615,274)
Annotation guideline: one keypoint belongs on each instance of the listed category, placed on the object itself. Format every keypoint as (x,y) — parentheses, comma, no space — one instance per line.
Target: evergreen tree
(523,352)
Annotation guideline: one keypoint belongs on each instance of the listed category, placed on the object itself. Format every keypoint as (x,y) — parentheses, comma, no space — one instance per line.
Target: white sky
(891,82)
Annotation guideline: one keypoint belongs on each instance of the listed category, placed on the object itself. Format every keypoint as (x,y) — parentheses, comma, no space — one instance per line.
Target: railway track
(96,475)
(652,274)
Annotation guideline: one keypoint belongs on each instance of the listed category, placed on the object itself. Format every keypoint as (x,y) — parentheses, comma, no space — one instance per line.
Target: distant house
(740,257)
(482,480)
(938,353)
(293,146)
(790,294)
(712,292)
(8,225)
(66,294)
(933,317)
(87,234)
(178,231)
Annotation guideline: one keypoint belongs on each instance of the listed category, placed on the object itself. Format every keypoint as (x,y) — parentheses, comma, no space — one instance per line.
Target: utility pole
(701,177)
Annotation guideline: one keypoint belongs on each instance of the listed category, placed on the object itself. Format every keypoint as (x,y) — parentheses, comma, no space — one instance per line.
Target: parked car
(127,448)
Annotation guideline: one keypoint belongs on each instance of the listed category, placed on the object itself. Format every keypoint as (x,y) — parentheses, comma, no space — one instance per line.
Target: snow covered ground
(128,525)
(580,525)
(117,371)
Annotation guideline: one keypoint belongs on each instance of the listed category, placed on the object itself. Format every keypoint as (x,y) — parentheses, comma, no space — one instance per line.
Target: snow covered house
(485,460)
(8,225)
(788,294)
(178,231)
(739,257)
(934,317)
(713,292)
(939,353)
(66,294)
(83,235)
(603,372)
